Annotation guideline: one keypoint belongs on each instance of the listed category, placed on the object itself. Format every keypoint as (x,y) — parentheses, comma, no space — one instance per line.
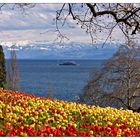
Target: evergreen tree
(2,69)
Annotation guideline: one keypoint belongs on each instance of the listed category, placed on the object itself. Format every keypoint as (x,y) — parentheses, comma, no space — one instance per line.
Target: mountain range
(46,50)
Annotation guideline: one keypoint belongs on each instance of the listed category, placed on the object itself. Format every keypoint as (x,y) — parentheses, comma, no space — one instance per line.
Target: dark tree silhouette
(118,83)
(3,83)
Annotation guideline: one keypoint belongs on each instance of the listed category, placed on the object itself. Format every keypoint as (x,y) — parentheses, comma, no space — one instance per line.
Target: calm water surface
(67,82)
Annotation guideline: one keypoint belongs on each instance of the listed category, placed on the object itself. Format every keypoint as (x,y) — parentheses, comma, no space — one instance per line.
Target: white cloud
(42,48)
(36,24)
(16,43)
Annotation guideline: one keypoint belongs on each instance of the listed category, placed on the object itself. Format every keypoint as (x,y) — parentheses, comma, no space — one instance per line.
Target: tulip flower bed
(27,115)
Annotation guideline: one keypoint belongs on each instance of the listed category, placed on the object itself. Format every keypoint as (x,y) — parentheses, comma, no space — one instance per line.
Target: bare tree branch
(118,80)
(123,15)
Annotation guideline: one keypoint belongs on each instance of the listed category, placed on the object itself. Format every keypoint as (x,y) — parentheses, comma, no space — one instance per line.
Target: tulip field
(23,115)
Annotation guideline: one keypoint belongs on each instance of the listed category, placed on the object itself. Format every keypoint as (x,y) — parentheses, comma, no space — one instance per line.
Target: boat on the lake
(68,63)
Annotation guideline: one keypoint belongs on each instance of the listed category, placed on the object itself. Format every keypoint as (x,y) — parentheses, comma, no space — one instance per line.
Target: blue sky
(37,25)
(33,30)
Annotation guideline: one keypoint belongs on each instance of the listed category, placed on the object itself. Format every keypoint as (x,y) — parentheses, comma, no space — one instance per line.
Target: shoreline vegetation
(22,114)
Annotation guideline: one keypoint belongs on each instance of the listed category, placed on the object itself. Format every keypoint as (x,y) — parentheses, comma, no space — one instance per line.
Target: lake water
(66,82)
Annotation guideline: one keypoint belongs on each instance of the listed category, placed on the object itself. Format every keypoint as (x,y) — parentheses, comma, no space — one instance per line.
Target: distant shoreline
(62,59)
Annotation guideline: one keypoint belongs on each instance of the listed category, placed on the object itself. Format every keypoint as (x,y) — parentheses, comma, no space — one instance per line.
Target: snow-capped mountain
(46,50)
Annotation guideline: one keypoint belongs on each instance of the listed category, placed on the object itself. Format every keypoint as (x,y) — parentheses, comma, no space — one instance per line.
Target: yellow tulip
(109,123)
(58,126)
(32,126)
(91,132)
(24,134)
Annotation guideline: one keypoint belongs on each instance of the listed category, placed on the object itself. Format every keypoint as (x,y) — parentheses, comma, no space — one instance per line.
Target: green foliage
(3,83)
